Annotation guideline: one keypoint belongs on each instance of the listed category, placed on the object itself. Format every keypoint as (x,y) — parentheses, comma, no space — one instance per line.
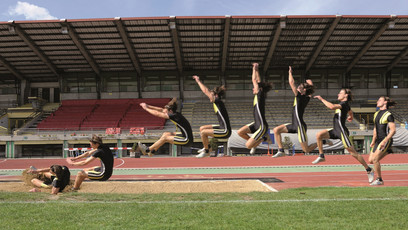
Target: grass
(301,208)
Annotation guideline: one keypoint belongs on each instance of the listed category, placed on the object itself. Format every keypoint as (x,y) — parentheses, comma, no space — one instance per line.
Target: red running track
(291,180)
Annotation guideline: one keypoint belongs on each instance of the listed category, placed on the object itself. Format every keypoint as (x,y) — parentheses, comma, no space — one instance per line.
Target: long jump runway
(278,173)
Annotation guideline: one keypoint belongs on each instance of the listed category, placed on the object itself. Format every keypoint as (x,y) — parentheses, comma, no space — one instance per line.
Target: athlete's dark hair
(96,139)
(309,88)
(265,86)
(172,105)
(348,92)
(390,103)
(220,91)
(57,169)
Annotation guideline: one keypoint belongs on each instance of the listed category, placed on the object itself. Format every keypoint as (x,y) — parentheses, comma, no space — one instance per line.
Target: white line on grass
(207,201)
(267,186)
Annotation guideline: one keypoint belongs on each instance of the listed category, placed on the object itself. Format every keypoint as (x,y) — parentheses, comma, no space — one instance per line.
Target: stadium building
(63,80)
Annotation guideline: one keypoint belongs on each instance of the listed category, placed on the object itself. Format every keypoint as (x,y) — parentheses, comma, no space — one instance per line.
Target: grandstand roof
(44,50)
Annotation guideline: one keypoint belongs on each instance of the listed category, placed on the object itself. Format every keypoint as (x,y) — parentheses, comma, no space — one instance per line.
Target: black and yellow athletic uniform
(223,130)
(298,125)
(339,130)
(185,134)
(381,120)
(103,172)
(56,182)
(259,127)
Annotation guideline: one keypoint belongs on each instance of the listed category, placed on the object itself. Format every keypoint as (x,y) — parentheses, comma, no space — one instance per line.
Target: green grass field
(302,208)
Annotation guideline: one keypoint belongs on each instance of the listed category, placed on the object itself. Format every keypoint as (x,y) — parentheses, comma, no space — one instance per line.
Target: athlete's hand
(318,97)
(32,171)
(69,160)
(372,144)
(382,145)
(143,105)
(290,69)
(195,77)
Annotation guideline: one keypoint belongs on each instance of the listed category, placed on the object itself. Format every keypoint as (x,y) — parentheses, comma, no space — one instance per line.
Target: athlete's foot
(252,151)
(143,148)
(203,154)
(318,160)
(370,176)
(201,150)
(278,154)
(377,182)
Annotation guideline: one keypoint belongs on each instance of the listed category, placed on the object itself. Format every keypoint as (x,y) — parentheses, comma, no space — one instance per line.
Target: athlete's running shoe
(143,149)
(370,176)
(252,151)
(318,160)
(279,154)
(203,154)
(201,150)
(377,182)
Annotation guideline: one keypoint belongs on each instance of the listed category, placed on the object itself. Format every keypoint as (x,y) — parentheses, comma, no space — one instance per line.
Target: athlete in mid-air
(339,131)
(223,129)
(303,93)
(259,127)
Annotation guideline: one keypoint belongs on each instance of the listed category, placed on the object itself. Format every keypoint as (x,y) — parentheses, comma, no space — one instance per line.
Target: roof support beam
(128,45)
(30,43)
(10,68)
(176,44)
(282,24)
(225,44)
(75,38)
(398,59)
(323,42)
(383,28)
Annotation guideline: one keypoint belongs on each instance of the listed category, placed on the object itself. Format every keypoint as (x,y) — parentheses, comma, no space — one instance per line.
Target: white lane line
(207,201)
(123,161)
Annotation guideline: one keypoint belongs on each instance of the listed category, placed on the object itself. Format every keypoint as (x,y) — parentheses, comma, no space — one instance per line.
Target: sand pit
(155,186)
(133,187)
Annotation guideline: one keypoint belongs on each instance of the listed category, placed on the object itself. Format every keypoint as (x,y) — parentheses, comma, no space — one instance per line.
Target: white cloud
(30,11)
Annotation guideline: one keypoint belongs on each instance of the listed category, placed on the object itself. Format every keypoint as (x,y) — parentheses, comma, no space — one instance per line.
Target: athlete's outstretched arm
(203,88)
(292,82)
(154,112)
(79,163)
(328,104)
(154,107)
(255,76)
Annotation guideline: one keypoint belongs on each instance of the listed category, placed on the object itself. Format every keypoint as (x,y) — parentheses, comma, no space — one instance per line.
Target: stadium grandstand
(63,80)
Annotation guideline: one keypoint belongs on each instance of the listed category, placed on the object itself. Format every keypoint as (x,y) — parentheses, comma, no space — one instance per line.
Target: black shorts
(301,130)
(221,132)
(258,130)
(98,174)
(387,147)
(181,139)
(342,135)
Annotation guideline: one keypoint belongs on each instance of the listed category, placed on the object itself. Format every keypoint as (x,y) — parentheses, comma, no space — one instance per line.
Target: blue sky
(83,9)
